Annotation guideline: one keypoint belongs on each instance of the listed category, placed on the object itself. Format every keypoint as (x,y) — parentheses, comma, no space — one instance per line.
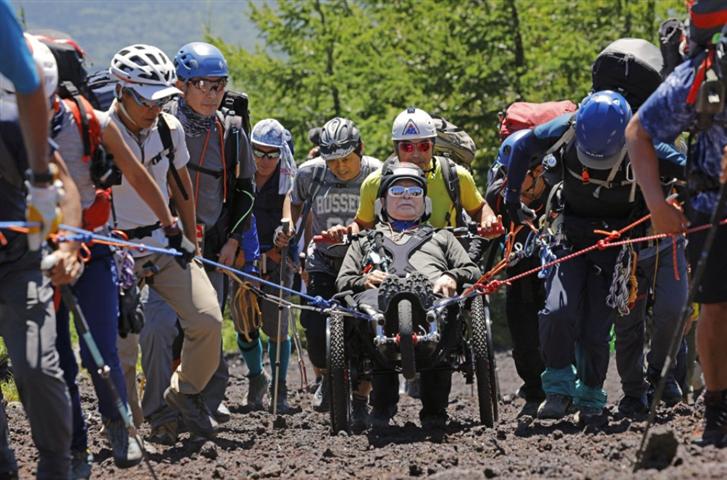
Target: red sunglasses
(409,147)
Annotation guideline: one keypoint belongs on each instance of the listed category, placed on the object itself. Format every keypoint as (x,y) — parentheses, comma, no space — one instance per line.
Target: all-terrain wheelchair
(409,332)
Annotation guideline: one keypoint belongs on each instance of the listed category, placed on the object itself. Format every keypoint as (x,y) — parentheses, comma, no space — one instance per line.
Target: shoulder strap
(567,136)
(165,134)
(451,181)
(88,125)
(400,254)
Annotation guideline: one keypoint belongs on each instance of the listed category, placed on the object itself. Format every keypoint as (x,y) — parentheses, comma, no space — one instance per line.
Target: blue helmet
(504,154)
(601,129)
(200,60)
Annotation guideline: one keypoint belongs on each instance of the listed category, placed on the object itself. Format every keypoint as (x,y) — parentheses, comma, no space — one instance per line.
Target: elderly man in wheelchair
(397,274)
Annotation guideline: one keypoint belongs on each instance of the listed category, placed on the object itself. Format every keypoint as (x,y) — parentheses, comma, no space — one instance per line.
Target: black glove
(520,213)
(131,311)
(180,243)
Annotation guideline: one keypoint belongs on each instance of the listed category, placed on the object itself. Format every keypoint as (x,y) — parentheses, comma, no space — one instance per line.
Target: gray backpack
(453,142)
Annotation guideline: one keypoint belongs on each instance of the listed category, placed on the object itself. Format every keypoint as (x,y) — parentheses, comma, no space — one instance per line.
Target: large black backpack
(630,66)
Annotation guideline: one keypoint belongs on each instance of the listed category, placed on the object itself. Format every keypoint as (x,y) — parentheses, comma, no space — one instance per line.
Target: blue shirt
(666,114)
(16,62)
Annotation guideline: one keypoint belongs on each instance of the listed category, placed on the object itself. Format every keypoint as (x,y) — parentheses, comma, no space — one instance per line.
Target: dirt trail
(248,446)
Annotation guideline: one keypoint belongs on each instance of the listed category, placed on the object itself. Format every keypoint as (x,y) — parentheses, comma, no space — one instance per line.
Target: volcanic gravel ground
(249,447)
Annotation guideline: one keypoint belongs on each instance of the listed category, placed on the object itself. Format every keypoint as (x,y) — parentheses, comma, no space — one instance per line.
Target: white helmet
(413,124)
(146,70)
(46,61)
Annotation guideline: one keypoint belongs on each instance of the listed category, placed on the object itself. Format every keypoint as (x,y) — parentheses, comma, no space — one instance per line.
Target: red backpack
(522,115)
(89,128)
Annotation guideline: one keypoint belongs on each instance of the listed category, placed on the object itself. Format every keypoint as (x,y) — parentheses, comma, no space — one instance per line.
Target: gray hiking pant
(156,341)
(654,271)
(28,325)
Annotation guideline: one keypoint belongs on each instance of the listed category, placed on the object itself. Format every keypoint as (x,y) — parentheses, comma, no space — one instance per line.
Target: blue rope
(8,225)
(86,236)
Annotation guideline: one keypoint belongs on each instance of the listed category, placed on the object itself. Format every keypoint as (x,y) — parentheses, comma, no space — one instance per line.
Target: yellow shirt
(442,206)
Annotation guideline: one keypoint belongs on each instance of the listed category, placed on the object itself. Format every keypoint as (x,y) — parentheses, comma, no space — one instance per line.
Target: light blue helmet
(200,60)
(601,129)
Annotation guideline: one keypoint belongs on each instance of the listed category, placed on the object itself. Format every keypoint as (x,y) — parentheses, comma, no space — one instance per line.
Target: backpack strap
(400,253)
(565,139)
(451,181)
(88,125)
(165,134)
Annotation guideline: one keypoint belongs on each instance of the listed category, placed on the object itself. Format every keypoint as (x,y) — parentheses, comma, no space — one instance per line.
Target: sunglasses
(146,103)
(207,86)
(409,147)
(399,191)
(271,155)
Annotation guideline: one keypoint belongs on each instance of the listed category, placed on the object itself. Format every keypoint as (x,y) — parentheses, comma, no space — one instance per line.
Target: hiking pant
(28,326)
(191,295)
(97,294)
(157,355)
(523,300)
(323,285)
(575,325)
(128,349)
(654,271)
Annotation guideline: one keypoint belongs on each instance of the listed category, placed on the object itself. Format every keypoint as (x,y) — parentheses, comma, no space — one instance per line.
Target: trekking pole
(301,361)
(684,316)
(285,225)
(79,320)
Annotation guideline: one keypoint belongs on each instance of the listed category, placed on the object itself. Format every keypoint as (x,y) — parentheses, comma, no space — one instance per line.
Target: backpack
(629,66)
(706,18)
(453,142)
(522,115)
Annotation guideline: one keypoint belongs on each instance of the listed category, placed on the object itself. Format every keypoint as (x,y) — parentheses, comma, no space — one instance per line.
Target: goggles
(400,191)
(209,86)
(271,155)
(146,103)
(409,147)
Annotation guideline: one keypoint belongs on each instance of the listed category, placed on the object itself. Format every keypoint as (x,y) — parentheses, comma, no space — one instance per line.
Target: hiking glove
(42,208)
(520,213)
(180,243)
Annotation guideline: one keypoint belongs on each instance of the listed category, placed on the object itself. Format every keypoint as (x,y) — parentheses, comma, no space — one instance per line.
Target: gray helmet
(338,138)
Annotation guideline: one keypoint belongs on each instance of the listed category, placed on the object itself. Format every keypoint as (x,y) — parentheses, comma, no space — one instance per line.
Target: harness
(394,257)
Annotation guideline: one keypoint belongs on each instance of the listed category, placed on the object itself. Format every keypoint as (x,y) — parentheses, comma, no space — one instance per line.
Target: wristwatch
(39,178)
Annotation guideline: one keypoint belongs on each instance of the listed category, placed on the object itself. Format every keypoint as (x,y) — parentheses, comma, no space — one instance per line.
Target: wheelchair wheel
(483,370)
(406,343)
(339,380)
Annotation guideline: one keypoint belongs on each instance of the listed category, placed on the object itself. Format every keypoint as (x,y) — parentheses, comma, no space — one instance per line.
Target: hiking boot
(672,393)
(283,407)
(555,406)
(432,421)
(359,413)
(166,433)
(256,391)
(222,414)
(194,412)
(633,407)
(321,399)
(380,418)
(80,465)
(715,419)
(592,417)
(530,409)
(125,449)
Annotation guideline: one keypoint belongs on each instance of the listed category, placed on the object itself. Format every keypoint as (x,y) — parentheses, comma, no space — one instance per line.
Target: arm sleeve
(669,101)
(16,62)
(470,196)
(533,144)
(461,267)
(247,162)
(350,276)
(671,160)
(369,189)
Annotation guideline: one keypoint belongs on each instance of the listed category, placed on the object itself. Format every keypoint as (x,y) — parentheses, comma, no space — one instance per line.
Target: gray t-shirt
(335,203)
(70,146)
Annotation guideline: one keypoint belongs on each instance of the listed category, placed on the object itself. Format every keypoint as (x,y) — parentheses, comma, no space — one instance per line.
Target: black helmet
(338,138)
(399,172)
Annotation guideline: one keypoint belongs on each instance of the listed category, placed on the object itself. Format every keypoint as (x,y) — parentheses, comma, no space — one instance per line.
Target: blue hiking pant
(575,326)
(97,294)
